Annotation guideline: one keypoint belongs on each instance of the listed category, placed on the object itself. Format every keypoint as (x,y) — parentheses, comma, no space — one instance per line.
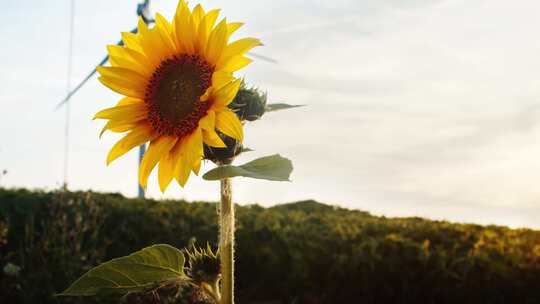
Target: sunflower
(177,81)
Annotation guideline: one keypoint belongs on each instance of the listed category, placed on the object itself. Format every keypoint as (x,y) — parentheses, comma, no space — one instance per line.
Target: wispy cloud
(414,107)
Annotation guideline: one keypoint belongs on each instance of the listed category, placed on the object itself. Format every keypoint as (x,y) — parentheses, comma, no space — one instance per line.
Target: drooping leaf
(138,271)
(280,106)
(274,168)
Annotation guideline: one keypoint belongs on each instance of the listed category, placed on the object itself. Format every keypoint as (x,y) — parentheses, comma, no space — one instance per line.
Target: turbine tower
(143,10)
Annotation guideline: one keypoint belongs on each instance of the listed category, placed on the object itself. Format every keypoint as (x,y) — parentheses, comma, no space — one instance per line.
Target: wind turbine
(143,10)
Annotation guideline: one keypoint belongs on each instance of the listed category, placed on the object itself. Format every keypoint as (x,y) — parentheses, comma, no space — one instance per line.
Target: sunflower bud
(204,265)
(249,103)
(223,155)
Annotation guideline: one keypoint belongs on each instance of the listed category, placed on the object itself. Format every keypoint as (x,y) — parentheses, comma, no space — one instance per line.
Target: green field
(303,252)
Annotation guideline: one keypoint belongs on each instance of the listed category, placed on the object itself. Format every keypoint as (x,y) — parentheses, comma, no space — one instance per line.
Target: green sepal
(272,107)
(274,168)
(139,271)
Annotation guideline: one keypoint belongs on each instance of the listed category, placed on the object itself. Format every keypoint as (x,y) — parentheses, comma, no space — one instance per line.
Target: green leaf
(138,271)
(280,106)
(274,168)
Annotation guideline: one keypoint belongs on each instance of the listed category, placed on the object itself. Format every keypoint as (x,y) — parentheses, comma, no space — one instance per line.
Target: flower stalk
(226,242)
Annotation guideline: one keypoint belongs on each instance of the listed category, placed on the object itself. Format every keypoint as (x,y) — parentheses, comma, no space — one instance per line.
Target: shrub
(303,252)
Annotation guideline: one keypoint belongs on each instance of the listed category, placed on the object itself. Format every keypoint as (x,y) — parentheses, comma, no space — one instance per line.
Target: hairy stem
(226,242)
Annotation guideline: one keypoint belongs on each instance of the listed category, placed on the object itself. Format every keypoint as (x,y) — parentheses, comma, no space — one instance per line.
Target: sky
(413,107)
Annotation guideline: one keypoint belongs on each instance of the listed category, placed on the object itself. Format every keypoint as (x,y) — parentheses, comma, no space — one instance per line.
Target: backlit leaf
(274,168)
(139,271)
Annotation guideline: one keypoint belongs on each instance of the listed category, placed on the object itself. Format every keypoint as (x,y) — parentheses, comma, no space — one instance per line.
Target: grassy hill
(303,252)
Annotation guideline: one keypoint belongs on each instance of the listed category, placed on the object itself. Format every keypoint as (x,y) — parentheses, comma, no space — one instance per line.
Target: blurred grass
(304,252)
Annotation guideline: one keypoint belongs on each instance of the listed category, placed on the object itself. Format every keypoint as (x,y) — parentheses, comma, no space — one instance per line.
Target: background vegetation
(304,252)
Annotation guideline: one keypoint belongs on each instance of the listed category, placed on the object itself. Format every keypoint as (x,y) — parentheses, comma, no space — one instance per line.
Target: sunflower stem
(226,242)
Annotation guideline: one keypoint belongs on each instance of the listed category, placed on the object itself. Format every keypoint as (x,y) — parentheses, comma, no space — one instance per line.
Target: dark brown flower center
(173,94)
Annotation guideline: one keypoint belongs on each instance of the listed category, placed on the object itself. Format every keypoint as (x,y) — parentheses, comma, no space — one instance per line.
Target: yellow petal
(228,123)
(209,121)
(123,62)
(163,23)
(123,87)
(125,51)
(233,27)
(181,4)
(239,47)
(191,151)
(165,171)
(152,45)
(129,100)
(184,29)
(197,166)
(206,95)
(168,163)
(135,112)
(235,63)
(216,42)
(131,40)
(194,146)
(211,18)
(221,78)
(137,57)
(135,138)
(116,61)
(164,28)
(158,147)
(198,14)
(119,126)
(224,96)
(212,139)
(204,28)
(142,27)
(124,74)
(198,153)
(182,171)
